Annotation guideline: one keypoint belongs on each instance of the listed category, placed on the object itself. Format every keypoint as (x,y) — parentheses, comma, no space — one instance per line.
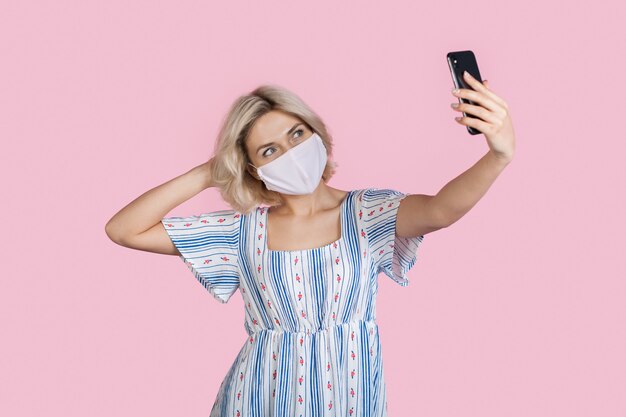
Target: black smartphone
(458,62)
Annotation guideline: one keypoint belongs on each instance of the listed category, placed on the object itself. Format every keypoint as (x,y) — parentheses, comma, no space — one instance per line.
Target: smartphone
(458,62)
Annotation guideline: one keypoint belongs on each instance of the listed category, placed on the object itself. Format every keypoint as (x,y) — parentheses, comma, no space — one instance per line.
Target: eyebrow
(273,143)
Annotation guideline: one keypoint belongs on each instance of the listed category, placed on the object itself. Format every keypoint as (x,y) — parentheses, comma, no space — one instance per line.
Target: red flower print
(338,278)
(204,221)
(188,224)
(337,260)
(206,261)
(301,360)
(300,298)
(353,373)
(300,379)
(221,220)
(224,258)
(330,404)
(336,296)
(352,391)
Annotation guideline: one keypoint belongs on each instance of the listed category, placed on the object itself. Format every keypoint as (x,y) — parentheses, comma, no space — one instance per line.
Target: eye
(265,154)
(299,130)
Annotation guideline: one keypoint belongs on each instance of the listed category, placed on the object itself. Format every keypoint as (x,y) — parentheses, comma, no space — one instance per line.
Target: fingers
(481,88)
(477,124)
(477,111)
(478,97)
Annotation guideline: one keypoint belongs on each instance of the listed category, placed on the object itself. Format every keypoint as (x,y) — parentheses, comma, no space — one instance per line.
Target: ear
(252,171)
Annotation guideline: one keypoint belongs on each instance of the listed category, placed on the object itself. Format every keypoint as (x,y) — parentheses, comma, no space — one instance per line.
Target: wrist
(500,158)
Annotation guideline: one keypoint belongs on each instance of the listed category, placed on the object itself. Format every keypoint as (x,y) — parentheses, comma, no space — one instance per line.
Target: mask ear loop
(256,169)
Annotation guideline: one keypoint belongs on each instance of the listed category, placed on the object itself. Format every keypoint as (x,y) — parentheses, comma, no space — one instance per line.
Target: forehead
(271,126)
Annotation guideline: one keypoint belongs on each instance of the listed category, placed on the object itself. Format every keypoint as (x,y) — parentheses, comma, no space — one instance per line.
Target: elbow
(109,232)
(112,233)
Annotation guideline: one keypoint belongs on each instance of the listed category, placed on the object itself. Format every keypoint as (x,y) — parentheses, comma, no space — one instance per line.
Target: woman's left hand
(496,122)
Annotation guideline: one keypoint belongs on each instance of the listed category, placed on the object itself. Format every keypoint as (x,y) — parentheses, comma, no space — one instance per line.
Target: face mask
(297,171)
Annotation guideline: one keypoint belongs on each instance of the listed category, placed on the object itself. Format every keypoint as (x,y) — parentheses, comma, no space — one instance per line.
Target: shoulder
(373,196)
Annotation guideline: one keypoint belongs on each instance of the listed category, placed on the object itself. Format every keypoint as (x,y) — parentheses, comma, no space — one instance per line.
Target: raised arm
(420,214)
(138,225)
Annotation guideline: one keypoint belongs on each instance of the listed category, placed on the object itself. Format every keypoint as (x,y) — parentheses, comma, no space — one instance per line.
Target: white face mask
(297,171)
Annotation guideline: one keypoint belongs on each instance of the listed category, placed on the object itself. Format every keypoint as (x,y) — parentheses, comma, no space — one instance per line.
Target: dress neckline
(336,242)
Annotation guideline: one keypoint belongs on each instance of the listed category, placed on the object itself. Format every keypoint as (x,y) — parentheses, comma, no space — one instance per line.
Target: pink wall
(516,310)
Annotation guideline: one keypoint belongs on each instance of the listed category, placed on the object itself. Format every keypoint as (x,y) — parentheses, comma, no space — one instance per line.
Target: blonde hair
(229,173)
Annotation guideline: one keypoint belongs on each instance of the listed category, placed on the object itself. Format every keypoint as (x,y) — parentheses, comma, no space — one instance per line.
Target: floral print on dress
(312,346)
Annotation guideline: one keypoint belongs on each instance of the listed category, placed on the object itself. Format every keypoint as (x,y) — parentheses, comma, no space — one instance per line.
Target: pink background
(517,309)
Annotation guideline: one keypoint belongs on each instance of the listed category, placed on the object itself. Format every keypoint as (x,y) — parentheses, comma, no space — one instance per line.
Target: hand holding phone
(459,62)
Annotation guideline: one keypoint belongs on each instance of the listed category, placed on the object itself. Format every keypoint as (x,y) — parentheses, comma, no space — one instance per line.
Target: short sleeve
(208,244)
(391,254)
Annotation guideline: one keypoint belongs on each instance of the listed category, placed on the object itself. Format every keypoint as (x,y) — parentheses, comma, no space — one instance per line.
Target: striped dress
(312,345)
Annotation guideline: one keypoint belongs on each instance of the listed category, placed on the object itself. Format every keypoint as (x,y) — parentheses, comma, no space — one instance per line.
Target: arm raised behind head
(138,225)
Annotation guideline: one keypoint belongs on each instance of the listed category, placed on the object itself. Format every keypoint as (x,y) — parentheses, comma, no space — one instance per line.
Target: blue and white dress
(312,346)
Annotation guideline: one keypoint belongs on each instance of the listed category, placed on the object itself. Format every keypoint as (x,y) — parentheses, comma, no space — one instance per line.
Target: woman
(307,260)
